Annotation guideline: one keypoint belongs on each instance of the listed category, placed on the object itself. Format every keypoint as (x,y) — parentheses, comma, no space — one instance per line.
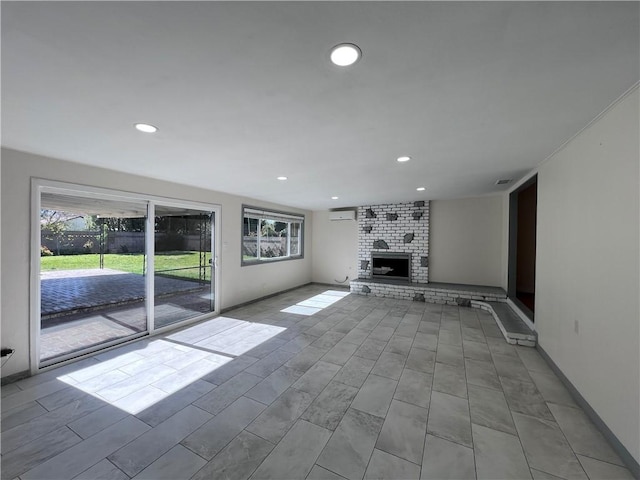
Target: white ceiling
(244,92)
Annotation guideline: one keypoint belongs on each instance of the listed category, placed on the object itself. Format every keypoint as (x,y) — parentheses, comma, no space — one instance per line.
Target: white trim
(258,242)
(266,214)
(591,122)
(216,247)
(76,189)
(289,239)
(34,291)
(79,354)
(564,144)
(150,250)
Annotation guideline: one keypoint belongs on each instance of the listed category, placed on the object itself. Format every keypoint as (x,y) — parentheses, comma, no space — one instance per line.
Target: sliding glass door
(183,264)
(92,273)
(110,266)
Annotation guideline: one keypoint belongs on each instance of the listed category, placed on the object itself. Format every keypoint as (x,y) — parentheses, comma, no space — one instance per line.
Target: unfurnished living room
(320,240)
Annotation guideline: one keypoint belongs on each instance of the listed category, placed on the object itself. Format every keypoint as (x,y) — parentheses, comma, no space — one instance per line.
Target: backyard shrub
(170,242)
(272,252)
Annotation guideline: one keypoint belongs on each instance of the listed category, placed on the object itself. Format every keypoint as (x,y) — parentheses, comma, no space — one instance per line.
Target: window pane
(92,273)
(273,239)
(295,239)
(250,239)
(270,235)
(183,264)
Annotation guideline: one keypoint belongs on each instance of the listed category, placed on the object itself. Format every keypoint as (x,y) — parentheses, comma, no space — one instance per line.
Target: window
(269,236)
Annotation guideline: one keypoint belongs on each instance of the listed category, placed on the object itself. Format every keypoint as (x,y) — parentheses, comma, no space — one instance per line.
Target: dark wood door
(522,246)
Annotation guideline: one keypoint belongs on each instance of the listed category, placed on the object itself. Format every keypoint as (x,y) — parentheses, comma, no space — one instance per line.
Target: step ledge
(525,340)
(521,314)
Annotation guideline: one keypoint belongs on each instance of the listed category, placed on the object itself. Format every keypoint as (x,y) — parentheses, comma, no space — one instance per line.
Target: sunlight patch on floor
(316,303)
(141,374)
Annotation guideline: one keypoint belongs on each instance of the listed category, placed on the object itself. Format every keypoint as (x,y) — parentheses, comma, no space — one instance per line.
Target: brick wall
(402,227)
(426,293)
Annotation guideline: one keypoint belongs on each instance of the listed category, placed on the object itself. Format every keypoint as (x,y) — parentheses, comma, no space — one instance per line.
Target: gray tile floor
(348,387)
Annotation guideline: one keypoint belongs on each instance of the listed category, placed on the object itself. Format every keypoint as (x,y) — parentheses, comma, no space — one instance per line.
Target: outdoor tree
(271,228)
(54,223)
(116,224)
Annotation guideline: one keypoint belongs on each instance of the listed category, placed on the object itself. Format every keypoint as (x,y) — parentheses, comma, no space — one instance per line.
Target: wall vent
(342,215)
(503,181)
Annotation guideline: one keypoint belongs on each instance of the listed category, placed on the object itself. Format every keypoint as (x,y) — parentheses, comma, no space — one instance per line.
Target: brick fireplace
(391,232)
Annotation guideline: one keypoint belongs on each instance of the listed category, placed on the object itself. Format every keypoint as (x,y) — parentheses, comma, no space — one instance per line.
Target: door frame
(40,185)
(513,249)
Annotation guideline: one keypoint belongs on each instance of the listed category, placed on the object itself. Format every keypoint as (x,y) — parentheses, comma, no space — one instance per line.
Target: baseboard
(259,299)
(619,448)
(339,285)
(14,377)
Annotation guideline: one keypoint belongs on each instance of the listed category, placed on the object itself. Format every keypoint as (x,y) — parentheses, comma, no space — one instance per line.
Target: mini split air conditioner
(342,215)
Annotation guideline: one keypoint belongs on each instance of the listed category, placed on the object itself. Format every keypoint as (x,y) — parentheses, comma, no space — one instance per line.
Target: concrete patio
(83,308)
(73,290)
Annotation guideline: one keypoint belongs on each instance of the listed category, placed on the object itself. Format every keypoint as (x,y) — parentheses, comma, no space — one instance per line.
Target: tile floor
(311,384)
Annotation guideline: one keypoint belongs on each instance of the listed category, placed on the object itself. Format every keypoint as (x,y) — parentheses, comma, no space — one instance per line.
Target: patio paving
(77,331)
(73,290)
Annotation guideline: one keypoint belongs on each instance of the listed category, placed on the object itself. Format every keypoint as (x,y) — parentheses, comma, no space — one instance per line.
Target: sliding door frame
(215,280)
(39,186)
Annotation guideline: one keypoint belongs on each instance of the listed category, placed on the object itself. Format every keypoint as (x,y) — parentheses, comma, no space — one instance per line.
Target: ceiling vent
(504,181)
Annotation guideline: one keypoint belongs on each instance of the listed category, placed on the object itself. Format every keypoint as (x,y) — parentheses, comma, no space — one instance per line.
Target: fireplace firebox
(391,266)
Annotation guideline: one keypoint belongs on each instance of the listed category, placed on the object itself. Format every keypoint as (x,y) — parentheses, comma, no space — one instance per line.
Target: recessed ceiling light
(420,189)
(334,198)
(403,159)
(345,54)
(282,178)
(145,127)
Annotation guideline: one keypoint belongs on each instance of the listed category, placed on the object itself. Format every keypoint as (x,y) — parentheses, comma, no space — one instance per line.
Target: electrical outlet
(576,327)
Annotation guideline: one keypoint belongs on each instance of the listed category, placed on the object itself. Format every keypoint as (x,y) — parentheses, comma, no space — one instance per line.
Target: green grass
(166,263)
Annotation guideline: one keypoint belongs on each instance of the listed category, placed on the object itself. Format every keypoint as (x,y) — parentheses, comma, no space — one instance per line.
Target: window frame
(289,217)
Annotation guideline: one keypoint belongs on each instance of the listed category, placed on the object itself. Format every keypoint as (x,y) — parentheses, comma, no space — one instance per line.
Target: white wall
(588,266)
(466,241)
(334,249)
(238,284)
